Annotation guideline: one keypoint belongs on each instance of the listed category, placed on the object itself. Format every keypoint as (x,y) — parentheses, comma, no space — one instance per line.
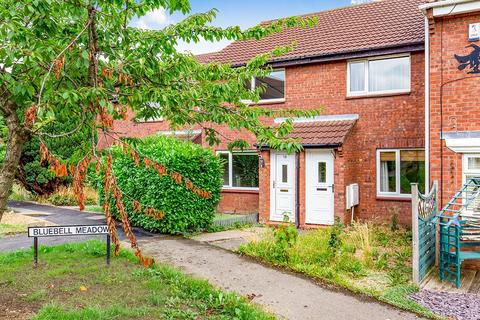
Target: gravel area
(15,218)
(460,306)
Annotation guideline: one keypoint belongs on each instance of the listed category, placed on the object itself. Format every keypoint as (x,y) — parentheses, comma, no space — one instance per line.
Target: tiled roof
(322,133)
(378,25)
(206,57)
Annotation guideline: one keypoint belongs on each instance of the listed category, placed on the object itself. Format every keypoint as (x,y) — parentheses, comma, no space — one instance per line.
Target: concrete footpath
(286,295)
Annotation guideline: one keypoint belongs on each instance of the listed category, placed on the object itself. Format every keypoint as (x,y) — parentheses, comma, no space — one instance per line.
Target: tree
(79,59)
(31,173)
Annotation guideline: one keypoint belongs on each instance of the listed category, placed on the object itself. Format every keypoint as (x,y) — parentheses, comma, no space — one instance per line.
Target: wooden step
(469,255)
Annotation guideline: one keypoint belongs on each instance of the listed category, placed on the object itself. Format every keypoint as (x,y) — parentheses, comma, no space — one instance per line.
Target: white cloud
(154,19)
(158,19)
(360,1)
(202,46)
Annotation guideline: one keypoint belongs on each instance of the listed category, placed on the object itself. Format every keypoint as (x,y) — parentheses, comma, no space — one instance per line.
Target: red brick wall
(264,186)
(457,106)
(241,202)
(238,202)
(385,122)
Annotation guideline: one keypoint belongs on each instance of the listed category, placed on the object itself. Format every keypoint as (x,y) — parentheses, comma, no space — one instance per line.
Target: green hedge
(184,210)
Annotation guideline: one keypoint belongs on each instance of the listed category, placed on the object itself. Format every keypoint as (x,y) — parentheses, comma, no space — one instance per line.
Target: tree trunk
(17,136)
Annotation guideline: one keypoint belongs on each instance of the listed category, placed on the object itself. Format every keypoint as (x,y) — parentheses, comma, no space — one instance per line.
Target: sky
(244,13)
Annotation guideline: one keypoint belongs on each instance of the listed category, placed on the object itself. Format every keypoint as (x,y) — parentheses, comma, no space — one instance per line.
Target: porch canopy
(322,131)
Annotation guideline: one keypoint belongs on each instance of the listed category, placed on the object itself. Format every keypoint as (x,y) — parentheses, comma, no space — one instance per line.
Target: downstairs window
(397,169)
(240,169)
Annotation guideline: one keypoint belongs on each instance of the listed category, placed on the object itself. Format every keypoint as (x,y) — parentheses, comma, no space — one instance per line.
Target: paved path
(287,295)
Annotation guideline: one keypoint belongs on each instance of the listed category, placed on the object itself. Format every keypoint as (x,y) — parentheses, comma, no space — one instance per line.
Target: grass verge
(368,259)
(72,281)
(8,229)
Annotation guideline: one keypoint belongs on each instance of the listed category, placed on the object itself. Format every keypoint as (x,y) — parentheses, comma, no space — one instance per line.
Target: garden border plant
(355,259)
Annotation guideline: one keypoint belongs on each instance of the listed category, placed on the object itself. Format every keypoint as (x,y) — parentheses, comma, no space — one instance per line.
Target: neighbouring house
(399,83)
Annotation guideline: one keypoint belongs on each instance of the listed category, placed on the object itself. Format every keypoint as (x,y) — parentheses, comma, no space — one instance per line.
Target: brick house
(453,106)
(384,84)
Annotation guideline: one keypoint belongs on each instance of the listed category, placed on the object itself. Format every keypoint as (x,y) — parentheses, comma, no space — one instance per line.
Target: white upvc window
(240,169)
(397,169)
(471,169)
(153,111)
(379,75)
(471,166)
(274,85)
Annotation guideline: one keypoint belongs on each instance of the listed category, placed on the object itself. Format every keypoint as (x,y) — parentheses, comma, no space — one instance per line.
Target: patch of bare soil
(14,223)
(15,307)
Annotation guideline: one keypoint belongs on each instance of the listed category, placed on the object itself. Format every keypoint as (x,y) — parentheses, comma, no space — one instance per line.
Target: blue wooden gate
(424,214)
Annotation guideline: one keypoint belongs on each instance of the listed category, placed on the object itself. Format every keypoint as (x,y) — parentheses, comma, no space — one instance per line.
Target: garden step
(469,255)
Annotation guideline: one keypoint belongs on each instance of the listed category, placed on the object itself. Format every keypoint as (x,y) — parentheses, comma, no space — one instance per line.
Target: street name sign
(67,230)
(62,231)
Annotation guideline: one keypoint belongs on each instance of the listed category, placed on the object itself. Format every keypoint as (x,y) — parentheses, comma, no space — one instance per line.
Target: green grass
(367,259)
(124,290)
(98,209)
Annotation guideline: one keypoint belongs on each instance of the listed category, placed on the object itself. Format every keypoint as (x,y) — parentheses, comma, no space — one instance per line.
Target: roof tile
(377,25)
(322,133)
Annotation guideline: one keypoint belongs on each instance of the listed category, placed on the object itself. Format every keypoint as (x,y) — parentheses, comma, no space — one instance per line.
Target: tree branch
(58,56)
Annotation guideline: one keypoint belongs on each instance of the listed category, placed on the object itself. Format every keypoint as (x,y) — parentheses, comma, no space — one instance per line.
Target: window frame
(397,193)
(275,100)
(366,91)
(230,169)
(465,171)
(154,119)
(468,172)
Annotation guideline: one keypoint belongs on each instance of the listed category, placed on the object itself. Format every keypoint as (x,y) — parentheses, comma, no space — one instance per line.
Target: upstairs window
(273,84)
(150,113)
(378,76)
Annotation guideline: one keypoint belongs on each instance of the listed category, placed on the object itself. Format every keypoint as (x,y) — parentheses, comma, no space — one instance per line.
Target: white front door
(319,197)
(282,193)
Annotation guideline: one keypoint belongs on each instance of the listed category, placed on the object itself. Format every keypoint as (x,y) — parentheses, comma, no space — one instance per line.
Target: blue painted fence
(424,231)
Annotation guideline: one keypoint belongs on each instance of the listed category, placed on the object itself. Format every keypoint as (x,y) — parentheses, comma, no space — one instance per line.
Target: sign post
(108,249)
(62,231)
(35,251)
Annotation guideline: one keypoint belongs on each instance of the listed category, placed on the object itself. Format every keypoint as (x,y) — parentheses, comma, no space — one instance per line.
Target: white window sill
(377,94)
(240,190)
(393,197)
(269,101)
(150,121)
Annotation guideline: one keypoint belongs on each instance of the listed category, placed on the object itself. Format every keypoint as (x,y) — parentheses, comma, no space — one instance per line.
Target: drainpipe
(427,105)
(297,190)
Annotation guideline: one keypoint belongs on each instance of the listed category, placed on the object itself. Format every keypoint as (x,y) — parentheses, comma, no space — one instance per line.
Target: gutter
(427,105)
(449,7)
(444,3)
(297,190)
(305,146)
(412,47)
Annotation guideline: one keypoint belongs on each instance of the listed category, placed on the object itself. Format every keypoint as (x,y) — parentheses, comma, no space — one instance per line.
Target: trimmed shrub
(64,196)
(184,210)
